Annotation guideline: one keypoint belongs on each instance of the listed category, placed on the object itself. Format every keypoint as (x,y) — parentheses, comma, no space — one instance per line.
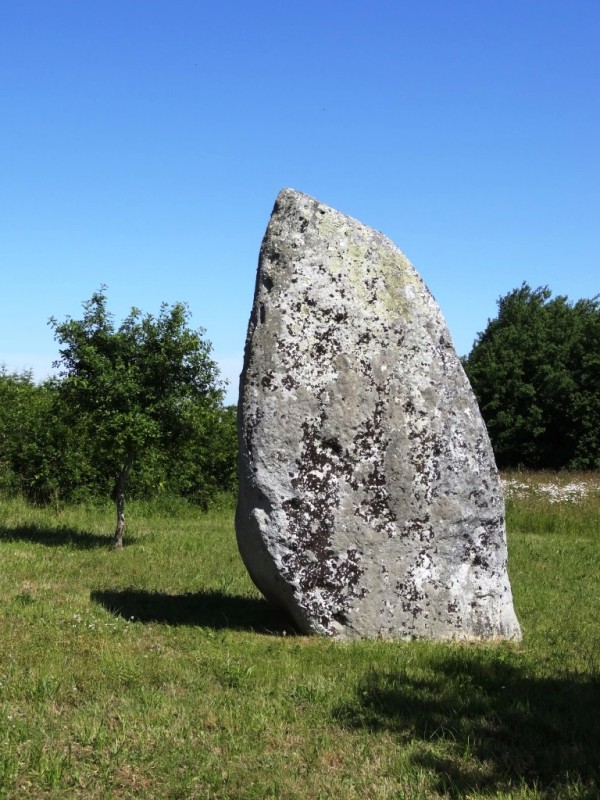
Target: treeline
(535,370)
(136,408)
(46,456)
(139,408)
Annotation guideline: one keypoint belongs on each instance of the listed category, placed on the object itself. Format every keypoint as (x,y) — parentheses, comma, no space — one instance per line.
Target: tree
(135,389)
(536,373)
(206,463)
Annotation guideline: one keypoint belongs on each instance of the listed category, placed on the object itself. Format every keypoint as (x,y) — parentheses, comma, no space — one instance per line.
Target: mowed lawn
(159,672)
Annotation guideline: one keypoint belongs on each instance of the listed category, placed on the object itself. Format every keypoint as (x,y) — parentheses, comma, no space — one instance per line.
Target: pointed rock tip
(293,197)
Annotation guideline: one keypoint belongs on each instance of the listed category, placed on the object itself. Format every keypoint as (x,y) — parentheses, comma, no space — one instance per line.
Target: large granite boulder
(369,501)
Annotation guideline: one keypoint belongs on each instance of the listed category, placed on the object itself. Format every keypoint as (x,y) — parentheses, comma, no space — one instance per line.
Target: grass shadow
(482,724)
(210,609)
(56,537)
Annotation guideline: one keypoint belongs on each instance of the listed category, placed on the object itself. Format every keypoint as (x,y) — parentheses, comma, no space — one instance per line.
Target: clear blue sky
(143,142)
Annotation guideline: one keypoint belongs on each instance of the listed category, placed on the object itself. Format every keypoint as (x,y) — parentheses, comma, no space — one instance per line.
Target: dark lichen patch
(269,254)
(480,548)
(288,382)
(369,447)
(427,451)
(327,579)
(333,444)
(410,597)
(267,381)
(418,529)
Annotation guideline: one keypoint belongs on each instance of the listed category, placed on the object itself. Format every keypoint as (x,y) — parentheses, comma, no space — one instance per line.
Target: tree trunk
(120,501)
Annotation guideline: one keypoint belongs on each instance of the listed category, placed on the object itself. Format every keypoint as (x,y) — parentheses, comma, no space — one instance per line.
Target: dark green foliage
(536,373)
(35,452)
(145,395)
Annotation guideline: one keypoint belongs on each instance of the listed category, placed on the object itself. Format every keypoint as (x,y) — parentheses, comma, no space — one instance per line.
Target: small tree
(131,389)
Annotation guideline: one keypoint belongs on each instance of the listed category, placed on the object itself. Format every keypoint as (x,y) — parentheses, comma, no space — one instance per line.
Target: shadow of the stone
(210,609)
(56,537)
(482,724)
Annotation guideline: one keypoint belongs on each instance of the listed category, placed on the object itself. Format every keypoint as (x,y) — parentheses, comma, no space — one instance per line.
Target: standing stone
(369,503)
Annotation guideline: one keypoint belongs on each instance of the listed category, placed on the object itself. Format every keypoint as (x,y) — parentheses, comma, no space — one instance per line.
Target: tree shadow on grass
(56,537)
(482,724)
(210,609)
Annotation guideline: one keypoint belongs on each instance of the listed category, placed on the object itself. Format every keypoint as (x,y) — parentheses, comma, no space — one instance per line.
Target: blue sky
(143,143)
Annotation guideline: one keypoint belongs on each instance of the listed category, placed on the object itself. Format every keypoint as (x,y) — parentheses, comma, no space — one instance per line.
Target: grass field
(159,672)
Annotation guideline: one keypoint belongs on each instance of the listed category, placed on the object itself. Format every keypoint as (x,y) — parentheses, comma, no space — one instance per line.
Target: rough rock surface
(369,504)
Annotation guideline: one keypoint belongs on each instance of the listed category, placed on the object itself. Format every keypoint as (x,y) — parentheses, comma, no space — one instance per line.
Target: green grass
(159,672)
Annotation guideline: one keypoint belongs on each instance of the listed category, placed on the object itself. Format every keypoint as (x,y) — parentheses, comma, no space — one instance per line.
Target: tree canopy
(535,370)
(139,392)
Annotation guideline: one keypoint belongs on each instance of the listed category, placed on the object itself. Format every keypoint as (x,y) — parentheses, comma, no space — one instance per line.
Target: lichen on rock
(369,501)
